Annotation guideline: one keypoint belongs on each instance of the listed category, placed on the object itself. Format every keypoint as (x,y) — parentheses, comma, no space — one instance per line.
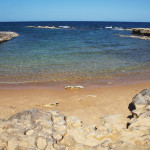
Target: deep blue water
(85,50)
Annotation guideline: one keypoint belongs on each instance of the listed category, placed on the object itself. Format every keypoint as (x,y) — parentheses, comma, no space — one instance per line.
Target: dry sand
(104,100)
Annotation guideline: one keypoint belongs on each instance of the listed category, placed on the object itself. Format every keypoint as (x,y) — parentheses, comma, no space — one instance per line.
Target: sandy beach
(87,104)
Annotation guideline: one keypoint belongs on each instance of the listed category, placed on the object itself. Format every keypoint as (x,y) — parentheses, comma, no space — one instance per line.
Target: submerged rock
(138,33)
(136,37)
(6,36)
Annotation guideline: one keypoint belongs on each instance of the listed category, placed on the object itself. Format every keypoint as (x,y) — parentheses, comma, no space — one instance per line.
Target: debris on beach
(87,96)
(74,87)
(50,104)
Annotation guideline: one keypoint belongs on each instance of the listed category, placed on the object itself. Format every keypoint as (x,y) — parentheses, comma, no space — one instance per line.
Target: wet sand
(87,104)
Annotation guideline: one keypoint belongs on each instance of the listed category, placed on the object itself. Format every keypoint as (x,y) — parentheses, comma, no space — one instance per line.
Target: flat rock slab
(6,36)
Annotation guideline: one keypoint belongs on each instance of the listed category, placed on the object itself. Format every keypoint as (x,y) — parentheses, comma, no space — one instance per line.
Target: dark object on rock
(131,107)
(74,87)
(6,36)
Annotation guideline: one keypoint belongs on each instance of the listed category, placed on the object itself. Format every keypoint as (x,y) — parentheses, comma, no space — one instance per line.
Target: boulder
(142,99)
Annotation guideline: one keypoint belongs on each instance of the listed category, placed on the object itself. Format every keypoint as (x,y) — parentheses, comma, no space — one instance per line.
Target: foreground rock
(49,130)
(6,36)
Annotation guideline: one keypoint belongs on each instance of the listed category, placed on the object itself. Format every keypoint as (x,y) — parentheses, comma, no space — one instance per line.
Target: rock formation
(138,33)
(49,130)
(136,37)
(6,36)
(43,27)
(141,31)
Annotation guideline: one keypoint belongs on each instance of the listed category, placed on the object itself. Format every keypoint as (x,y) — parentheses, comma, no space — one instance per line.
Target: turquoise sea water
(80,51)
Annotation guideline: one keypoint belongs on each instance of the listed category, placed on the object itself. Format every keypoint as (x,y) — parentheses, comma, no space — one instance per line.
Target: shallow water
(79,52)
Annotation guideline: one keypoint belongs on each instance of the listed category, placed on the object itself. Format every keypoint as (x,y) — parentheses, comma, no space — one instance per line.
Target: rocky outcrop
(49,130)
(138,33)
(136,37)
(43,27)
(6,36)
(141,31)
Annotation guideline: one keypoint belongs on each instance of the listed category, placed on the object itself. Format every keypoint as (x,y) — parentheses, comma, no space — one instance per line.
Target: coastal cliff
(45,130)
(6,36)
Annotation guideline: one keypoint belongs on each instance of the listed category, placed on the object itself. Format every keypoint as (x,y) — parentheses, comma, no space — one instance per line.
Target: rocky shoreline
(43,27)
(45,130)
(141,31)
(138,33)
(6,36)
(136,37)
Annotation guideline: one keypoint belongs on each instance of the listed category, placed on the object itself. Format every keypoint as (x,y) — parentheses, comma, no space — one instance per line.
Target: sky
(75,10)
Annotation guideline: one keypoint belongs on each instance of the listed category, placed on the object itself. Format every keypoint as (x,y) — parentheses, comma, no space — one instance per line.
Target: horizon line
(76,21)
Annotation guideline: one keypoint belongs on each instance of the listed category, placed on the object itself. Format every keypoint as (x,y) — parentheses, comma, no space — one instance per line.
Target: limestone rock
(49,130)
(30,132)
(136,37)
(32,129)
(41,143)
(141,31)
(58,137)
(142,99)
(6,36)
(113,123)
(43,27)
(74,122)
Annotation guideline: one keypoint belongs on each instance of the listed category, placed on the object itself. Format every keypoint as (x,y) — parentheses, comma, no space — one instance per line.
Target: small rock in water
(74,87)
